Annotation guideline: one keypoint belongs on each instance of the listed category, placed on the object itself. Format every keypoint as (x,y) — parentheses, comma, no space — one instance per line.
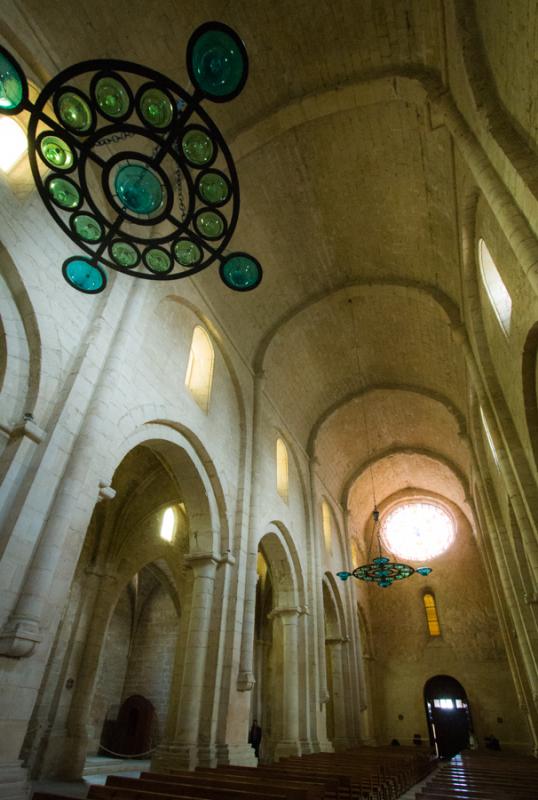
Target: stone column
(245,678)
(67,750)
(289,745)
(341,739)
(183,752)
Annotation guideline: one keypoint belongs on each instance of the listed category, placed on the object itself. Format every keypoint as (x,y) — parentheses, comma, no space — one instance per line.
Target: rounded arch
(431,454)
(446,304)
(283,561)
(529,374)
(335,619)
(376,387)
(20,380)
(190,464)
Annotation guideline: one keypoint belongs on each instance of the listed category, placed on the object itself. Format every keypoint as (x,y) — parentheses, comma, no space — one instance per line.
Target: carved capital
(106,492)
(246,681)
(28,427)
(19,638)
(288,611)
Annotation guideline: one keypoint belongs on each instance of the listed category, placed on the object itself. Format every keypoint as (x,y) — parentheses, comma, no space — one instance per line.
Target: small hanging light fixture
(382,570)
(133,169)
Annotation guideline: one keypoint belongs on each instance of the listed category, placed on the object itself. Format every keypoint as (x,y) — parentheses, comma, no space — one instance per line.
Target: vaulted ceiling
(349,196)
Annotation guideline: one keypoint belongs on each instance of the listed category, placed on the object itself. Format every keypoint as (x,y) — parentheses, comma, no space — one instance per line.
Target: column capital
(202,563)
(285,611)
(245,681)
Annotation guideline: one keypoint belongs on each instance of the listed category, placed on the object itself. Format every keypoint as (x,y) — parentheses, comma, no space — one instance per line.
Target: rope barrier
(127,755)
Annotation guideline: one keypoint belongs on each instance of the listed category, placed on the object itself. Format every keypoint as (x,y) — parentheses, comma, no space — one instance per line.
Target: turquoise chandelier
(133,169)
(382,570)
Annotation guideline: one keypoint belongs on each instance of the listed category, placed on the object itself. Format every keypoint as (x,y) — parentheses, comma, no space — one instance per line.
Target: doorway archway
(448,715)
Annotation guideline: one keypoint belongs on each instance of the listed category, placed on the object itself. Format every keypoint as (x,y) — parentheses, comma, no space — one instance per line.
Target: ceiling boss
(133,169)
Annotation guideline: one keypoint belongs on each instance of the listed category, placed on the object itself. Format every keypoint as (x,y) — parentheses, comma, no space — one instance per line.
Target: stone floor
(95,770)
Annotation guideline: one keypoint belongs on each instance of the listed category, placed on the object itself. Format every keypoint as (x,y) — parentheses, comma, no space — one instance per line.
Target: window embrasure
(199,375)
(282,469)
(497,292)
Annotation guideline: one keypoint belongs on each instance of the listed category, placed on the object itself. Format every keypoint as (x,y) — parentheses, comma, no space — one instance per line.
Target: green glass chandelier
(382,570)
(133,169)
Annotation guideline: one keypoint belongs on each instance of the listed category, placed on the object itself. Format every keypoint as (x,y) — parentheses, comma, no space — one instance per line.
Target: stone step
(102,765)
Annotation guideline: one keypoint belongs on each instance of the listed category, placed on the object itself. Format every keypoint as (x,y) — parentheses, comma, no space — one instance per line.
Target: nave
(364,773)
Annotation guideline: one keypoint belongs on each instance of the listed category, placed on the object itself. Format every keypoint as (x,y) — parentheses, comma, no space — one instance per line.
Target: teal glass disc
(83,276)
(56,153)
(139,189)
(210,224)
(213,188)
(12,84)
(156,108)
(197,147)
(64,193)
(112,97)
(241,272)
(75,112)
(187,253)
(124,254)
(157,260)
(217,62)
(87,227)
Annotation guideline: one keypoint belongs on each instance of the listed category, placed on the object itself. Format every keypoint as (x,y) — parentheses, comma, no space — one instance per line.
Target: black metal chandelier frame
(166,157)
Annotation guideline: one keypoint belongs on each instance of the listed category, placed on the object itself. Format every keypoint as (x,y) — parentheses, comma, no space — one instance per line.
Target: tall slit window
(489,438)
(168,525)
(13,143)
(497,292)
(431,614)
(282,469)
(327,527)
(199,375)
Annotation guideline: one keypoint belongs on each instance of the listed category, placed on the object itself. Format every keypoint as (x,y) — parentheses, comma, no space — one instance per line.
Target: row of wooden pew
(477,776)
(363,774)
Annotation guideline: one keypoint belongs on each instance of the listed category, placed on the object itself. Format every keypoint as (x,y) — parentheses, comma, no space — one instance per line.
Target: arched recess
(138,659)
(486,382)
(186,457)
(158,466)
(529,374)
(279,700)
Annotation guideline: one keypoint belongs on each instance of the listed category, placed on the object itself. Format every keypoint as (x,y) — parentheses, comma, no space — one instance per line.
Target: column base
(240,755)
(13,782)
(286,748)
(322,746)
(175,756)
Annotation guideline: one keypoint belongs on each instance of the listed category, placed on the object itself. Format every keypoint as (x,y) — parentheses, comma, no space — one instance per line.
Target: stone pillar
(341,739)
(289,745)
(67,748)
(183,753)
(245,678)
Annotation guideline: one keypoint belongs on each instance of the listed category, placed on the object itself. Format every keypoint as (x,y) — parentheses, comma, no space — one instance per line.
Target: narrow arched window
(13,143)
(489,438)
(199,375)
(282,469)
(327,527)
(168,525)
(431,615)
(497,292)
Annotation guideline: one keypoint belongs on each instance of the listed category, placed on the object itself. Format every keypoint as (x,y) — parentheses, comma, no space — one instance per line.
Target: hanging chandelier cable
(381,570)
